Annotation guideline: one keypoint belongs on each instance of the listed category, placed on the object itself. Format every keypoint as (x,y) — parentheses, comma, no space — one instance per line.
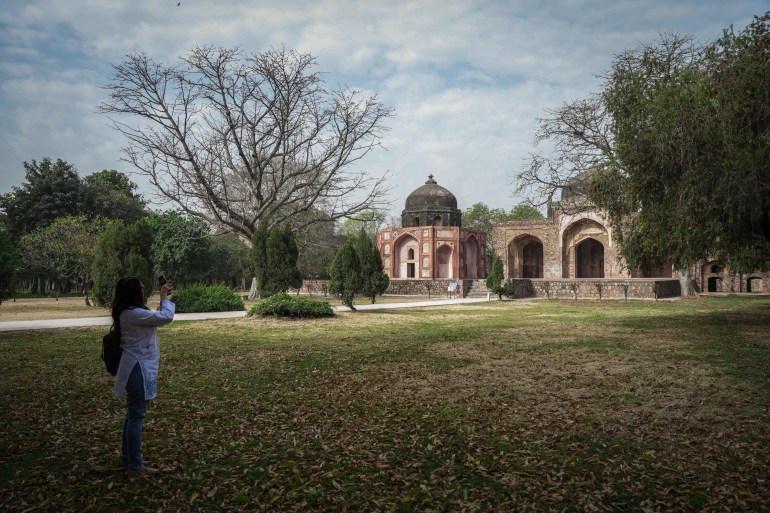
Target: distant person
(138,371)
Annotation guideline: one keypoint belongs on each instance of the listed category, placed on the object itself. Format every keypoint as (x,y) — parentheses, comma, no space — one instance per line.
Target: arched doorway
(754,284)
(444,262)
(589,257)
(532,260)
(405,253)
(471,258)
(584,243)
(715,284)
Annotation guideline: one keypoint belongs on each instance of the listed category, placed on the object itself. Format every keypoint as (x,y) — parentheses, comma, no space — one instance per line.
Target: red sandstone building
(432,244)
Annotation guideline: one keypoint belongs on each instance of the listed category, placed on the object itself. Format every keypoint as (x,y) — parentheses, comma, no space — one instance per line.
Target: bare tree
(235,139)
(581,142)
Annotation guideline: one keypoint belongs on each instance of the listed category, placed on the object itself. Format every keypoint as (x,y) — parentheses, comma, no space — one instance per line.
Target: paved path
(106,321)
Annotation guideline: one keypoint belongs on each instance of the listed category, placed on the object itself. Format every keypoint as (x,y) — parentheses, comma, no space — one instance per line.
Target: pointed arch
(471,263)
(589,259)
(405,254)
(444,261)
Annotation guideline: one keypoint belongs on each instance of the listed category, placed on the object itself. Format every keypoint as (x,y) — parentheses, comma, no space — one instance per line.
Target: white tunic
(139,341)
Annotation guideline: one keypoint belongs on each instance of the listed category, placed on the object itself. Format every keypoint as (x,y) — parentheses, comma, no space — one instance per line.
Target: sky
(467,79)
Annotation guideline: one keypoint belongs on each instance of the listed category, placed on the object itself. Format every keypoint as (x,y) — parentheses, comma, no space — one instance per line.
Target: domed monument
(432,244)
(431,205)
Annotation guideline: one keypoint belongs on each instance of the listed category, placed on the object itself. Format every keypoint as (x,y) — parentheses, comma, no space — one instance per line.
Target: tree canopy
(122,251)
(692,129)
(345,274)
(180,247)
(373,280)
(50,190)
(8,264)
(237,139)
(110,193)
(55,189)
(64,250)
(676,150)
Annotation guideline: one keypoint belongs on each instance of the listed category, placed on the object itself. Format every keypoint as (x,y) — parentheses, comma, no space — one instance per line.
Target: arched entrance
(532,260)
(471,258)
(444,262)
(715,284)
(525,253)
(589,257)
(754,284)
(584,243)
(405,265)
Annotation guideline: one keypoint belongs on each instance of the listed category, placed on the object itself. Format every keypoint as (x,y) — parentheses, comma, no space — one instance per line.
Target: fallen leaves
(591,410)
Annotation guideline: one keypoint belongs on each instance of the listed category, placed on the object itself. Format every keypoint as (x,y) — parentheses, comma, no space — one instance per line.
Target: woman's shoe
(141,471)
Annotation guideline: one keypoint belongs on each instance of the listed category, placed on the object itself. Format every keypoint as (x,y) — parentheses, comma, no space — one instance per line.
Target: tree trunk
(253,290)
(686,283)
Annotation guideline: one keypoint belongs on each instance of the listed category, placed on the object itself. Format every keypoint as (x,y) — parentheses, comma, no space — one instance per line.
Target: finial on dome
(430,179)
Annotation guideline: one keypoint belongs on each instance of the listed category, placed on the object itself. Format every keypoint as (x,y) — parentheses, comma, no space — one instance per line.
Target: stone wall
(647,288)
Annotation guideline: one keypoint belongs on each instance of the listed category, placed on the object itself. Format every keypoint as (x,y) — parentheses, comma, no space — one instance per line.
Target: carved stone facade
(564,245)
(432,244)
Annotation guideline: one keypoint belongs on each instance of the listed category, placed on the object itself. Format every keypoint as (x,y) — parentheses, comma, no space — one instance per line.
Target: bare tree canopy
(235,138)
(581,138)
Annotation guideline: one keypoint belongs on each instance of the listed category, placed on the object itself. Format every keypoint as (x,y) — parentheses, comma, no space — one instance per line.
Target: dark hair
(129,293)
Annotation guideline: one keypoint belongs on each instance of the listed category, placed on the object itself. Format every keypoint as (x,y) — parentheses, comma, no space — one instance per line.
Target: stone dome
(430,196)
(431,205)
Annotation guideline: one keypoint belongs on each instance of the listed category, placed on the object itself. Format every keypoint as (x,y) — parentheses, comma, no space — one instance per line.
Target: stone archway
(589,259)
(584,247)
(471,258)
(444,262)
(532,260)
(405,250)
(714,284)
(525,257)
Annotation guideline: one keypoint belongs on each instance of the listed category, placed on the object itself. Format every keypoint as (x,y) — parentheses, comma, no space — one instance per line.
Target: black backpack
(111,350)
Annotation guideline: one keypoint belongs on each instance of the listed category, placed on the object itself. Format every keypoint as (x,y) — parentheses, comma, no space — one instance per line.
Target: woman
(138,370)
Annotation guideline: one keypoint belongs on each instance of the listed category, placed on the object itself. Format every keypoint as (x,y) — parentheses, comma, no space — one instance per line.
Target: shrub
(284,305)
(511,288)
(202,298)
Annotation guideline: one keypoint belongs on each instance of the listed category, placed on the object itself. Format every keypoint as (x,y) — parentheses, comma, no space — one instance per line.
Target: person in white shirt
(138,370)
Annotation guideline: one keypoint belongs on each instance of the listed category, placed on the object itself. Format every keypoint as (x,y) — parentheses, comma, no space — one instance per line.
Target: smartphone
(161,280)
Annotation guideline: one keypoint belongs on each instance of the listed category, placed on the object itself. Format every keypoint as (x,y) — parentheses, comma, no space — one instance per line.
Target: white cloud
(467,78)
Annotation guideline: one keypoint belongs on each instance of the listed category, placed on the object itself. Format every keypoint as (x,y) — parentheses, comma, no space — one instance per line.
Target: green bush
(284,305)
(202,298)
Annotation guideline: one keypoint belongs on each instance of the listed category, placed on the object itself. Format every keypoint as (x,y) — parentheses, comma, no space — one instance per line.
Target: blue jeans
(132,427)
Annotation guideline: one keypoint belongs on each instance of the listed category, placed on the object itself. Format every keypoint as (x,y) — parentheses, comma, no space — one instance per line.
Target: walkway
(107,321)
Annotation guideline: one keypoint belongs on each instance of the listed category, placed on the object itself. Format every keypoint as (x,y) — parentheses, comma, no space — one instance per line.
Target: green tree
(693,137)
(8,264)
(64,250)
(495,279)
(373,280)
(281,262)
(345,274)
(51,190)
(229,260)
(524,212)
(122,251)
(180,247)
(369,220)
(109,193)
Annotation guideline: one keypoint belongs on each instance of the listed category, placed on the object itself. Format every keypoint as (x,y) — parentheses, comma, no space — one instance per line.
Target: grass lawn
(30,309)
(501,406)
